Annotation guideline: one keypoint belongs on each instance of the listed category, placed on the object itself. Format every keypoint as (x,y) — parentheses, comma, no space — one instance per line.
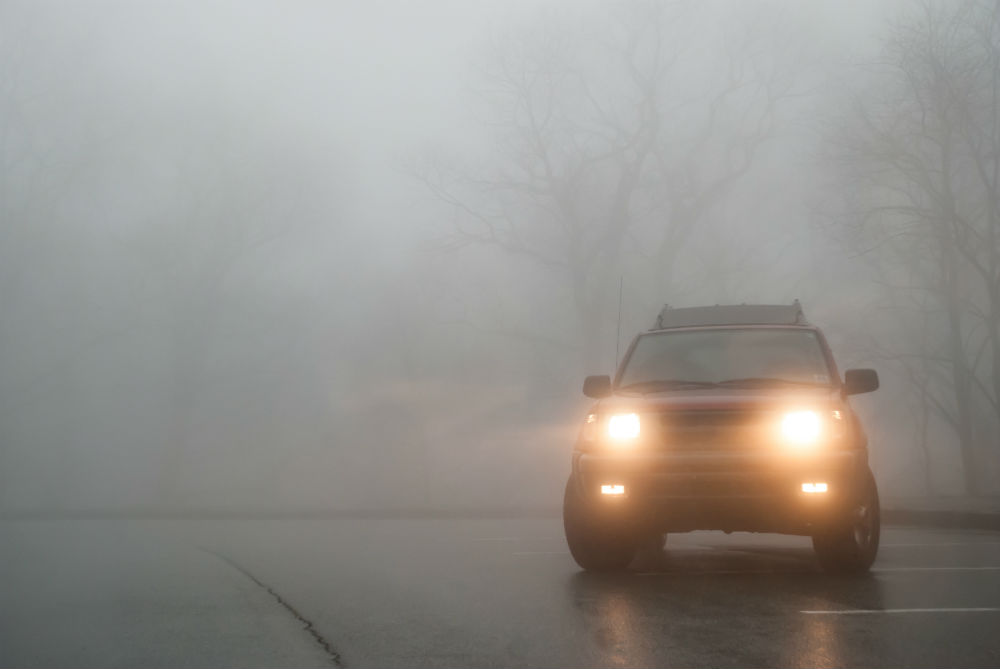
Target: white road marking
(497,539)
(887,569)
(542,553)
(797,571)
(975,543)
(851,612)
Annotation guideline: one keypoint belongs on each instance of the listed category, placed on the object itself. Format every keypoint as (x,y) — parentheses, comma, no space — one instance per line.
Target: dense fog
(344,256)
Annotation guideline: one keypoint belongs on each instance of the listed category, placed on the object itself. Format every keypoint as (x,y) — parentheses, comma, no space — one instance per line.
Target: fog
(343,256)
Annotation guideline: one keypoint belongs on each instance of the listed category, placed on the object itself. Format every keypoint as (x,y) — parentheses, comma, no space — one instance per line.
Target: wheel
(597,541)
(851,545)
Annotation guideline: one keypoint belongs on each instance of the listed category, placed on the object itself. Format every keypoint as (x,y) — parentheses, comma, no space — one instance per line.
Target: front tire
(852,544)
(597,540)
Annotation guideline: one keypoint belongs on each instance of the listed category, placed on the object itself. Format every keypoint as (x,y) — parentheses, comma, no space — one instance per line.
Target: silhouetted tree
(918,153)
(612,138)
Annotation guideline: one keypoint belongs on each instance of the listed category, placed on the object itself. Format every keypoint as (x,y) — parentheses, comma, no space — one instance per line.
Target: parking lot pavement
(506,592)
(113,594)
(981,512)
(480,592)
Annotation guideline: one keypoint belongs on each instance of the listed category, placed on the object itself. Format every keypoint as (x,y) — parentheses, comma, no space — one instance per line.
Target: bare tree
(613,138)
(230,201)
(39,162)
(918,150)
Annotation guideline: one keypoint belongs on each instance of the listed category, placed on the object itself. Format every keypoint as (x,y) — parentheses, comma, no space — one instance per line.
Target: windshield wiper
(767,381)
(666,384)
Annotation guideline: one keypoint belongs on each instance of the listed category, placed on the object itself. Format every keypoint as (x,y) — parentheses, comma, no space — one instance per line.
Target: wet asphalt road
(459,593)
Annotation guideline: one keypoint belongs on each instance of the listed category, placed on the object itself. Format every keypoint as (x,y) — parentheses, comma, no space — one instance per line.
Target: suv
(726,418)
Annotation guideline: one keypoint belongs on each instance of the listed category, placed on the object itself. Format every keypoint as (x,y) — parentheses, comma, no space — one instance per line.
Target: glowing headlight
(623,426)
(801,427)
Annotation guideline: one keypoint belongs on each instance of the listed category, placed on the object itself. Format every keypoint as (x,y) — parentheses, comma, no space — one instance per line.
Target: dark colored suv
(724,418)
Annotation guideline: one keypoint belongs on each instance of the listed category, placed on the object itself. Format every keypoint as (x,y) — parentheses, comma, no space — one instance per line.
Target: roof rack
(730,314)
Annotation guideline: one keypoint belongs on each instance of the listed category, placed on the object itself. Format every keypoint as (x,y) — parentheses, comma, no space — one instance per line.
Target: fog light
(613,489)
(814,487)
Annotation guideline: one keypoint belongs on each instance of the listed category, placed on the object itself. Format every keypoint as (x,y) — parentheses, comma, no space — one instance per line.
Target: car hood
(722,399)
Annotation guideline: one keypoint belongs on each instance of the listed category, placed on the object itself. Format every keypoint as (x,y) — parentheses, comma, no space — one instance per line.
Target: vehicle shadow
(736,558)
(750,572)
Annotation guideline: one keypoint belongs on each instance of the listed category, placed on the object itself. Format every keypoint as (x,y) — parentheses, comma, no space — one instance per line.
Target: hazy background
(361,255)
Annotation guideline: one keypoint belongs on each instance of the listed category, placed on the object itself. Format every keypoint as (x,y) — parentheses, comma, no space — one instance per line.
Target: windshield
(725,356)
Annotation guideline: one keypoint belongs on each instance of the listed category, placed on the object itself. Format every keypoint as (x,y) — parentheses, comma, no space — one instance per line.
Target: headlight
(801,428)
(623,426)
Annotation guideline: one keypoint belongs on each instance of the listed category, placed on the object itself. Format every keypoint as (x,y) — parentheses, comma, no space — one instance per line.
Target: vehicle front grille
(715,430)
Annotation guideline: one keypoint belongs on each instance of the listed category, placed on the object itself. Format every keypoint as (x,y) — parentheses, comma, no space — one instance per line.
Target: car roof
(730,314)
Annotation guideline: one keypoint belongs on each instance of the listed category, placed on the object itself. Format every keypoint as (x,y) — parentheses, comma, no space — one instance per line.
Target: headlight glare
(623,426)
(801,428)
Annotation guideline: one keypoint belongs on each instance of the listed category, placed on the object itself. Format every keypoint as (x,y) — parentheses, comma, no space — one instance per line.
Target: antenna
(618,334)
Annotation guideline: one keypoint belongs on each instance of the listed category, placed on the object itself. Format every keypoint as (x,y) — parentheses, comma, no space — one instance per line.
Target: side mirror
(858,381)
(597,386)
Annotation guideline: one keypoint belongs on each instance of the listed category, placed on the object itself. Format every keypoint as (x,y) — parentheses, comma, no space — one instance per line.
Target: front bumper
(760,492)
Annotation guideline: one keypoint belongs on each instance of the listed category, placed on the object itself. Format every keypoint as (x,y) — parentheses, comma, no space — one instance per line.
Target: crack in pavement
(308,625)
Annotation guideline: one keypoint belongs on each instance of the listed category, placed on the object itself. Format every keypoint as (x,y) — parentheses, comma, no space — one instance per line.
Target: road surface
(459,593)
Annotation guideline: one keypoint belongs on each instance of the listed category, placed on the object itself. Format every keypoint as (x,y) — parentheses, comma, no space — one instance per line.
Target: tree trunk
(961,377)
